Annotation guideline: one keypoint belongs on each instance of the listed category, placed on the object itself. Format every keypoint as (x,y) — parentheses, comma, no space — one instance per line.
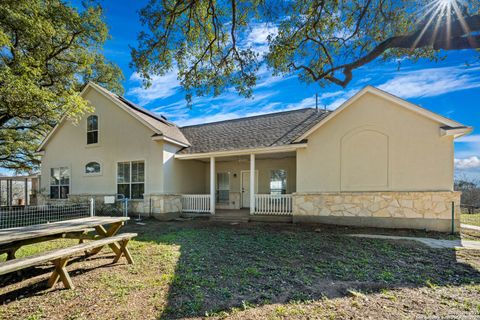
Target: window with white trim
(92,129)
(59,183)
(223,187)
(278,181)
(92,168)
(131,179)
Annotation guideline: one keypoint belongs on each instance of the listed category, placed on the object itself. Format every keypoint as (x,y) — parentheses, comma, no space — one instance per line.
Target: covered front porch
(230,179)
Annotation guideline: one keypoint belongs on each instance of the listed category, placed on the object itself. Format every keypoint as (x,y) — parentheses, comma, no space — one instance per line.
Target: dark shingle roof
(268,130)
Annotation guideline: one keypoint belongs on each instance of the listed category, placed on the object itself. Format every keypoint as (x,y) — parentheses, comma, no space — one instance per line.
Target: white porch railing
(273,204)
(196,203)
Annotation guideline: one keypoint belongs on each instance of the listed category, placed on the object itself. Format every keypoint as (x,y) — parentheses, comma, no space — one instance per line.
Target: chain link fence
(21,216)
(470,219)
(113,206)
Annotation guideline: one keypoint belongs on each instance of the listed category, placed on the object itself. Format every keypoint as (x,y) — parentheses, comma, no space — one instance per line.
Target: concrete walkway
(432,243)
(469,226)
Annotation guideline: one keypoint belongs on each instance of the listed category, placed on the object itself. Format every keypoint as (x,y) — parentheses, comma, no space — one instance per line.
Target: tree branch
(418,39)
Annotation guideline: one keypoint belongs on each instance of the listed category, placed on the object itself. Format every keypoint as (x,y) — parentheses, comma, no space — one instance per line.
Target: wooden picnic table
(13,238)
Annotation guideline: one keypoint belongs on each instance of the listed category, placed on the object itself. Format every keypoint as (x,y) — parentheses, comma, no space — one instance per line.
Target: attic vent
(164,118)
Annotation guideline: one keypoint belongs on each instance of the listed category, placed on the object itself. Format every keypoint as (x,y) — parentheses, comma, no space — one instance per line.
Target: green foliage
(319,40)
(48,51)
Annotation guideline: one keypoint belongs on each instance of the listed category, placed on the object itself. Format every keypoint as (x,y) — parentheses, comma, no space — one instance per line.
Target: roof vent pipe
(316,102)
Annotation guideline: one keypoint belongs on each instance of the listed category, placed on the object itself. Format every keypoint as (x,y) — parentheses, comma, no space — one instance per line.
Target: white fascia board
(167,139)
(455,132)
(239,152)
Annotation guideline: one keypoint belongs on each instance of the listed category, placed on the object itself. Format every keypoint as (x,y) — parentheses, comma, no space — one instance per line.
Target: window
(223,187)
(131,179)
(92,168)
(92,129)
(278,182)
(59,183)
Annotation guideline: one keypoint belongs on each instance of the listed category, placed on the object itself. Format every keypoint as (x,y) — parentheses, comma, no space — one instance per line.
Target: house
(377,160)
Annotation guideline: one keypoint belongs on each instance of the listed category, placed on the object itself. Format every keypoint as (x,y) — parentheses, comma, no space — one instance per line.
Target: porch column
(212,185)
(252,183)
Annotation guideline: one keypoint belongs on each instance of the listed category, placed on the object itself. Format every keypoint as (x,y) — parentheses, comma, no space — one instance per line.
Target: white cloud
(162,87)
(333,100)
(257,37)
(225,109)
(474,138)
(467,163)
(266,79)
(431,82)
(308,102)
(268,108)
(227,106)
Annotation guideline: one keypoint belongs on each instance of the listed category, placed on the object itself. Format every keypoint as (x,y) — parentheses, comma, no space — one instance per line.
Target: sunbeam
(442,11)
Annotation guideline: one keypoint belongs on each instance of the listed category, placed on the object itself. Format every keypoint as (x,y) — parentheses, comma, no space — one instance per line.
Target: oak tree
(322,41)
(48,51)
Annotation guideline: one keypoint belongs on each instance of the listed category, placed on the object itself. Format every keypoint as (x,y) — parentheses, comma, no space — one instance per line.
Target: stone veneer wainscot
(397,206)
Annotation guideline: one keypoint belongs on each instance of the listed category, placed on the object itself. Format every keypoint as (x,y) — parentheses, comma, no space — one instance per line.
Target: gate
(111,205)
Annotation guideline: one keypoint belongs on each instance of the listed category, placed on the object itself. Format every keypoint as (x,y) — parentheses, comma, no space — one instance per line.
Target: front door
(246,187)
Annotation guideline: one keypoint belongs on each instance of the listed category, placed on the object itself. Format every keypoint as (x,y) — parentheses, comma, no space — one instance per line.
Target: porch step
(272,218)
(229,218)
(254,218)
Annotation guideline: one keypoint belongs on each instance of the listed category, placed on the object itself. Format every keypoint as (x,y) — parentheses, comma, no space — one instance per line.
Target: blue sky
(450,87)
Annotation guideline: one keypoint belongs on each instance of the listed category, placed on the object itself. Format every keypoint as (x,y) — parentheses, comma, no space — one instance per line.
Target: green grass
(197,269)
(472,219)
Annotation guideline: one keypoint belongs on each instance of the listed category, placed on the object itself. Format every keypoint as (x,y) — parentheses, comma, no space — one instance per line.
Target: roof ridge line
(143,110)
(300,124)
(243,118)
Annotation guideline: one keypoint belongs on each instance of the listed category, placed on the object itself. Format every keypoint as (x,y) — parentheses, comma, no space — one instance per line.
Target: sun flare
(440,12)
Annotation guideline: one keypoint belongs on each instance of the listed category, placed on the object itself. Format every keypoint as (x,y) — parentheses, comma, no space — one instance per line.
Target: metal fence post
(92,207)
(453,217)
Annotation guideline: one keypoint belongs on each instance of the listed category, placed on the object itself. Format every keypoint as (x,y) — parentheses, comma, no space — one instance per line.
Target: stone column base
(163,206)
(430,210)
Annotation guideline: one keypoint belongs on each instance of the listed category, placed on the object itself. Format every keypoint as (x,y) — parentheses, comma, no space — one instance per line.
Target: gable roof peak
(393,98)
(158,124)
(133,105)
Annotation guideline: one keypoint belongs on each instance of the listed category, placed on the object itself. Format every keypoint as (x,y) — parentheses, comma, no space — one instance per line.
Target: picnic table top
(49,229)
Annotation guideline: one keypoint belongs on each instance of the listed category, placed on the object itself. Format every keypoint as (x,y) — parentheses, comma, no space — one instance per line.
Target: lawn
(198,269)
(472,219)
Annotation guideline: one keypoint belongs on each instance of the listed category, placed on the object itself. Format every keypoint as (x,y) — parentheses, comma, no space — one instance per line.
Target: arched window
(92,167)
(92,129)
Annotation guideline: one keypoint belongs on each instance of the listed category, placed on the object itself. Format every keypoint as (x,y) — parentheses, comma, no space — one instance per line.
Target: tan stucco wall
(182,176)
(121,138)
(376,145)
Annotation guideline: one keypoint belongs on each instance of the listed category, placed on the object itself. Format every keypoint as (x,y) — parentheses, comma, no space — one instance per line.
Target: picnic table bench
(61,256)
(12,239)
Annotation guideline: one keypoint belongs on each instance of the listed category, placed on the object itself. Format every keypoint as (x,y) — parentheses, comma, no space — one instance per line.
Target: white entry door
(246,187)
